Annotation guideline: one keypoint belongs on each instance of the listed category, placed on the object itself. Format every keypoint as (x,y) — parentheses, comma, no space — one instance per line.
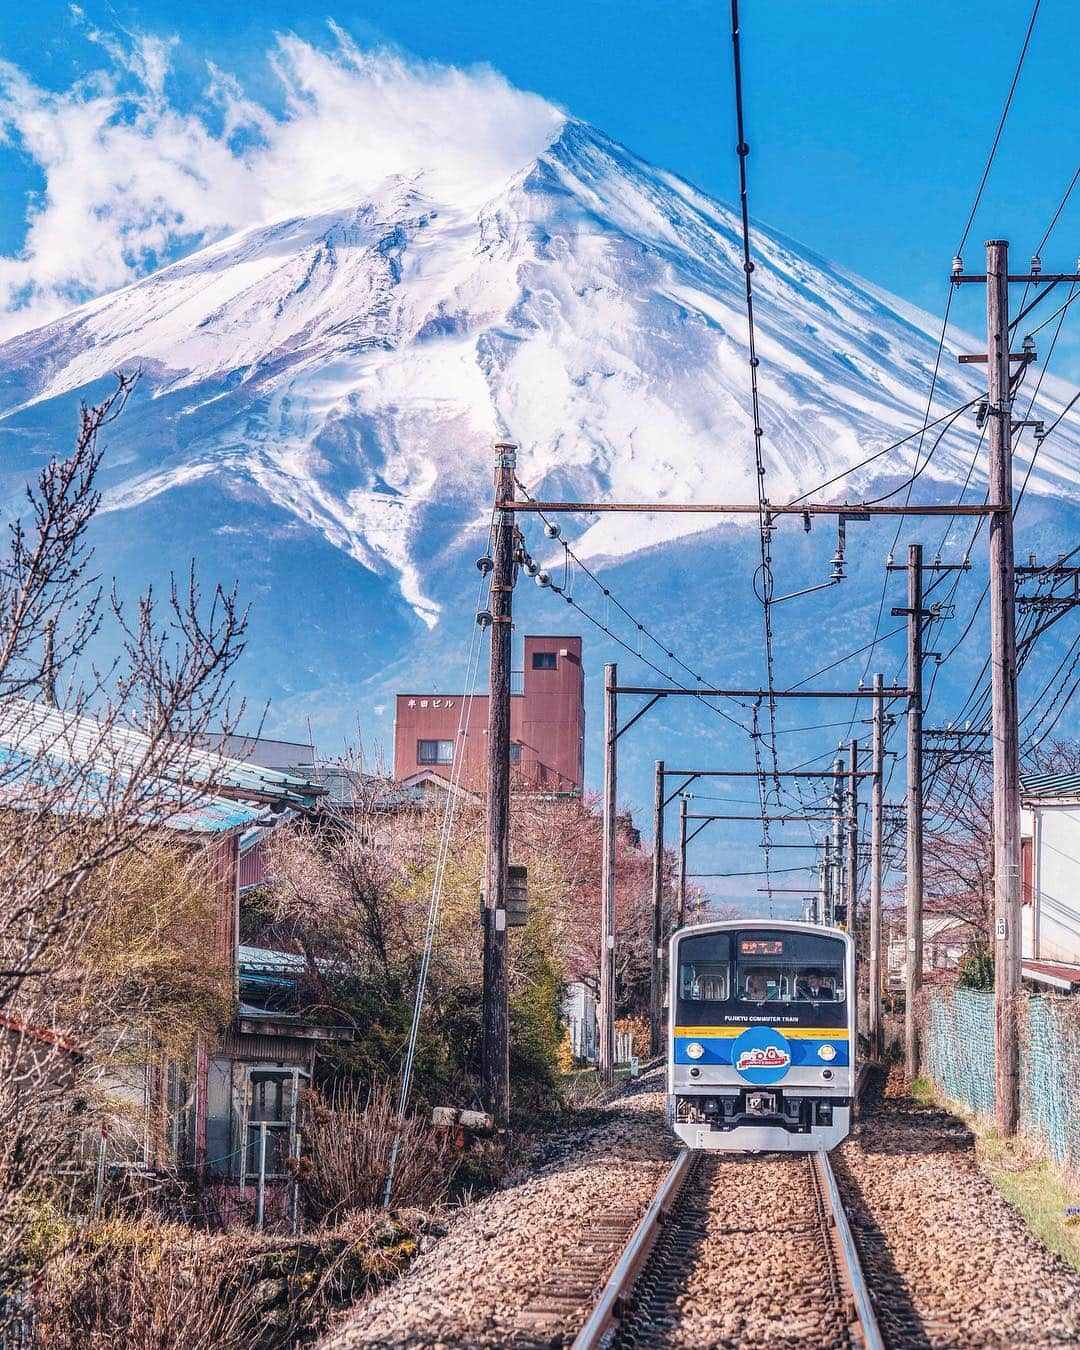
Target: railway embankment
(947,1261)
(496,1279)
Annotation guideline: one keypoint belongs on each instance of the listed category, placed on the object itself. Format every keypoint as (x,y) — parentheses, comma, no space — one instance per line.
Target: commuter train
(761,1043)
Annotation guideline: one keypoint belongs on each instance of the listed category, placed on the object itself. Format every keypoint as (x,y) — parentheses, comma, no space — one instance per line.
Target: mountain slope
(340,377)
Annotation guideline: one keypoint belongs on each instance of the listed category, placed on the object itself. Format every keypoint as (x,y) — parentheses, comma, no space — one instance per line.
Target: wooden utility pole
(853,834)
(607,882)
(495,1051)
(680,908)
(876,811)
(914,886)
(656,963)
(1003,685)
(48,664)
(1005,736)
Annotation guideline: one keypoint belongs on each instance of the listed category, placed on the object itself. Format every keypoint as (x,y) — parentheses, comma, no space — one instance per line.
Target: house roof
(1052,973)
(46,1035)
(50,747)
(1050,785)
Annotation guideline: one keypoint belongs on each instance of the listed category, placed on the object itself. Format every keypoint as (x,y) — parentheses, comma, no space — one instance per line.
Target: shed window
(543,660)
(515,752)
(435,752)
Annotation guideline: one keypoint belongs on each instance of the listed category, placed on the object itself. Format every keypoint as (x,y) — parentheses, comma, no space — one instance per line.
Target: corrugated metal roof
(84,767)
(1050,784)
(37,730)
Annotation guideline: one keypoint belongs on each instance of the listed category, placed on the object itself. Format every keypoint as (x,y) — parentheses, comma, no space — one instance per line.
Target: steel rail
(610,1307)
(607,1311)
(865,1331)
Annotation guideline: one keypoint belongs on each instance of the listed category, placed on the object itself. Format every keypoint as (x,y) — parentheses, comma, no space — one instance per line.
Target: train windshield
(763,975)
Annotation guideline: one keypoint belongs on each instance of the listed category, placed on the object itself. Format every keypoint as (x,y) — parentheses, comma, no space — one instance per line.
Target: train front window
(788,968)
(761,975)
(704,968)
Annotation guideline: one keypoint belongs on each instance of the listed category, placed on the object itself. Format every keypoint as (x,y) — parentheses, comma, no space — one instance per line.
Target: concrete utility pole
(680,907)
(1003,685)
(838,839)
(876,812)
(495,1049)
(853,833)
(914,888)
(826,883)
(607,925)
(656,963)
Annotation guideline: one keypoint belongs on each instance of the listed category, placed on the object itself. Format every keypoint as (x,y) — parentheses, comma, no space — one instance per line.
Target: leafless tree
(94,764)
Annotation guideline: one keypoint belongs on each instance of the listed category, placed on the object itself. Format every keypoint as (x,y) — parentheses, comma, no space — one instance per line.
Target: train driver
(811,986)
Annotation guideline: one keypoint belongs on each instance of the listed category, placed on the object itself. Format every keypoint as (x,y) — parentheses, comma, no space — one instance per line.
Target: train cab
(761,1043)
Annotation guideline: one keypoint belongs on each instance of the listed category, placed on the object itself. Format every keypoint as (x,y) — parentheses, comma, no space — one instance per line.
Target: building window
(515,752)
(435,752)
(543,661)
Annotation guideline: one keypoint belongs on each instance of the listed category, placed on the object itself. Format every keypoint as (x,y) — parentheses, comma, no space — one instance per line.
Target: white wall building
(1050,874)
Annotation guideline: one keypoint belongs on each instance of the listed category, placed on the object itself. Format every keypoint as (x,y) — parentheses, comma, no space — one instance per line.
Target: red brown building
(547,725)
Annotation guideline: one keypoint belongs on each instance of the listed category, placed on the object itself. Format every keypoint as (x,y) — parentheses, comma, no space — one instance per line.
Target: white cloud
(131,179)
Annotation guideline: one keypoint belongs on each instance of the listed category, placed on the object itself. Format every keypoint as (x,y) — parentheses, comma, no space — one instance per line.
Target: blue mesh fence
(1050,1076)
(960,1046)
(959,1057)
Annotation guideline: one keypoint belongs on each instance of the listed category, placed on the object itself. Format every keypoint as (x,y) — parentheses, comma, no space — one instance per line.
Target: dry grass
(146,1294)
(1027,1179)
(349,1139)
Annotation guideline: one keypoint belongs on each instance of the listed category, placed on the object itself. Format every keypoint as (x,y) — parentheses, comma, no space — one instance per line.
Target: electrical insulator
(1036,264)
(484,618)
(806,521)
(957,265)
(543,579)
(1029,345)
(531,567)
(484,565)
(551,530)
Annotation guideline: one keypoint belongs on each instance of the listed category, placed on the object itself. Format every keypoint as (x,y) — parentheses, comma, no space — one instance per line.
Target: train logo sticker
(761,1055)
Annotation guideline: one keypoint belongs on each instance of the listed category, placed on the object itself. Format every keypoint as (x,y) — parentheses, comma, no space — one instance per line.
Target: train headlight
(827,1053)
(695,1050)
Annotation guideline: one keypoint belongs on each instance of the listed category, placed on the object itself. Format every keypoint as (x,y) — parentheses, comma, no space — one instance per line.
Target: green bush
(975,969)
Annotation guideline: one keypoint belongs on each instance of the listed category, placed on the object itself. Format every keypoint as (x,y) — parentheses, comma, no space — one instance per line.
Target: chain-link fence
(958,1055)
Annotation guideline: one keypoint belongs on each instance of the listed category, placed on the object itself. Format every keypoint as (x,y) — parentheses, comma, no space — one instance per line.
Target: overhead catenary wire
(764,580)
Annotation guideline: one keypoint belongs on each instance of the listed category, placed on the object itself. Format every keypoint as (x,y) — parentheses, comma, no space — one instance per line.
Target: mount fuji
(319,396)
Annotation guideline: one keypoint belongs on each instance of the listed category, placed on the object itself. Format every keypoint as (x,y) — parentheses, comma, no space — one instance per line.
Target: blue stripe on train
(803,1052)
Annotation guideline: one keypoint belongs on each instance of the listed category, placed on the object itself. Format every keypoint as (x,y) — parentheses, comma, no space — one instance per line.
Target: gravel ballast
(949,1261)
(479,1285)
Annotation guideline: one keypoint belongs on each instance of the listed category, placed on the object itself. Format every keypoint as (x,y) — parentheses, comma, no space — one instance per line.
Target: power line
(1000,129)
(641,627)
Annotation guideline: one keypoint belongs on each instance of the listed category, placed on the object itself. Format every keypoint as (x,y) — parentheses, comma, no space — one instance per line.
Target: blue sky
(869,120)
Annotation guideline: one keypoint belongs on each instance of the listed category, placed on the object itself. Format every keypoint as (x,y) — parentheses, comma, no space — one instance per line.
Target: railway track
(738,1249)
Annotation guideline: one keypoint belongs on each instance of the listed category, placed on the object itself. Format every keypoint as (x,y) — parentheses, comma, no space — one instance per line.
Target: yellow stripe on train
(792,1033)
